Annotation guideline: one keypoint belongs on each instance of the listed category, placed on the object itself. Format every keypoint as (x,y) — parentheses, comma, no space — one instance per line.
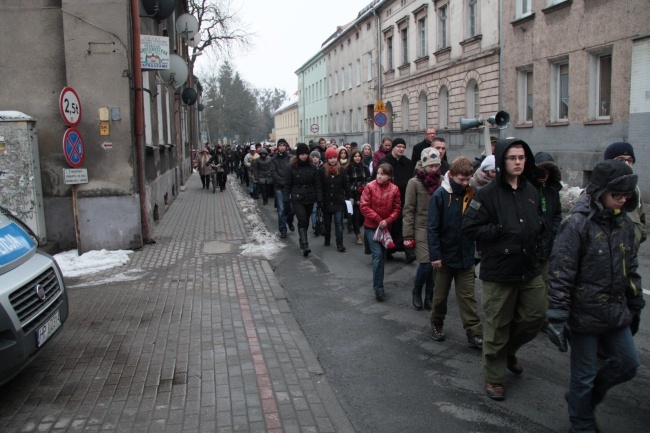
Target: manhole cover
(216,247)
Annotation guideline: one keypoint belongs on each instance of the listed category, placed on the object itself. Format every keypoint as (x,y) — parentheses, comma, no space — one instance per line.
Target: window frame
(405,113)
(443,26)
(389,53)
(472,100)
(556,91)
(595,85)
(422,37)
(523,8)
(422,110)
(404,40)
(523,92)
(443,107)
(472,18)
(369,63)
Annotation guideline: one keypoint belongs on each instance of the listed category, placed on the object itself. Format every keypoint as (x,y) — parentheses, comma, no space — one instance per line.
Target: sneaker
(380,296)
(437,332)
(291,227)
(514,366)
(475,341)
(495,391)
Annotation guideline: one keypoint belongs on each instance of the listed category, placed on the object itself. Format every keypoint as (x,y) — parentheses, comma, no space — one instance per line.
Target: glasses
(514,158)
(627,159)
(621,195)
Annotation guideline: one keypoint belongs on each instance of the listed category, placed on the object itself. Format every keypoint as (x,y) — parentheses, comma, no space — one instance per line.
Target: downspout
(374,12)
(139,120)
(500,58)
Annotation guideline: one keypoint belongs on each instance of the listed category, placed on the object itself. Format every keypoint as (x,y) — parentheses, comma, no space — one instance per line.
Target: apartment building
(286,122)
(312,99)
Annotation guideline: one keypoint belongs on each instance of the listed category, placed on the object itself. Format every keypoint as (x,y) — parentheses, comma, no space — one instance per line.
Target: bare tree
(220,27)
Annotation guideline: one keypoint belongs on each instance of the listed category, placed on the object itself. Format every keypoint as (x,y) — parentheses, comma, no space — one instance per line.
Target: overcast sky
(287,34)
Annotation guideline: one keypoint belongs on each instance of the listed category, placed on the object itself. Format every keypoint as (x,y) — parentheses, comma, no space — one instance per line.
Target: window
(442,27)
(472,100)
(351,122)
(336,82)
(405,48)
(147,110)
(329,85)
(600,86)
(369,57)
(523,8)
(350,75)
(359,120)
(337,123)
(405,113)
(343,121)
(358,72)
(525,95)
(389,53)
(443,108)
(422,111)
(559,92)
(343,79)
(472,18)
(159,112)
(422,37)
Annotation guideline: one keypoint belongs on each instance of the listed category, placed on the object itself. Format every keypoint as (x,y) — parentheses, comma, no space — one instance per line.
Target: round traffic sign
(314,128)
(380,119)
(70,106)
(73,147)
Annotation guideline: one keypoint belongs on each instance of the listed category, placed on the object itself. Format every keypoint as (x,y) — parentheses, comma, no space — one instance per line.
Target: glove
(636,319)
(559,334)
(409,243)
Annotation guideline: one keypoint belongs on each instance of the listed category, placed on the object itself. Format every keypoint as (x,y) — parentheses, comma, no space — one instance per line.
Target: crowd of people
(571,276)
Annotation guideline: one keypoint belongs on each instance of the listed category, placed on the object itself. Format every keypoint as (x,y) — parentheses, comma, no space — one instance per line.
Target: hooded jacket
(506,222)
(336,188)
(593,279)
(549,202)
(415,215)
(302,183)
(280,166)
(380,202)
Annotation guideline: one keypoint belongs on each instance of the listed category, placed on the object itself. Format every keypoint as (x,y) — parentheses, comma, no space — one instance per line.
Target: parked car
(33,298)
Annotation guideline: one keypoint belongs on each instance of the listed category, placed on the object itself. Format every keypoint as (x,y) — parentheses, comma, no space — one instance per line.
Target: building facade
(286,122)
(312,100)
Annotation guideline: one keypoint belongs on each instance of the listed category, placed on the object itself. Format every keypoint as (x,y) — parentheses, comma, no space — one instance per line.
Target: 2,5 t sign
(70,106)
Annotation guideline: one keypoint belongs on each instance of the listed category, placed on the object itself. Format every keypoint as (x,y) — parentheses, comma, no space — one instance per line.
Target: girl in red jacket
(380,205)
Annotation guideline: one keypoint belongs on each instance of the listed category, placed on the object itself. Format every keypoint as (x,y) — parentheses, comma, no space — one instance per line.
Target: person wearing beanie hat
(302,187)
(503,217)
(280,166)
(403,169)
(282,141)
(485,174)
(595,291)
(249,160)
(263,177)
(336,189)
(331,153)
(623,151)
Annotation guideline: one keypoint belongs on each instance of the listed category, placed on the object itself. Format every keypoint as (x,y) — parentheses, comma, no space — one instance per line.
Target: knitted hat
(302,148)
(397,141)
(613,176)
(541,157)
(282,141)
(263,151)
(488,163)
(252,147)
(619,148)
(331,153)
(314,153)
(430,156)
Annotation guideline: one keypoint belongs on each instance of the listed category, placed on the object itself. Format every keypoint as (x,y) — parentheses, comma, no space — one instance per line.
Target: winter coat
(403,170)
(446,239)
(302,183)
(280,166)
(414,217)
(506,222)
(262,168)
(358,176)
(220,160)
(593,271)
(550,207)
(203,167)
(380,202)
(480,179)
(376,157)
(336,189)
(417,150)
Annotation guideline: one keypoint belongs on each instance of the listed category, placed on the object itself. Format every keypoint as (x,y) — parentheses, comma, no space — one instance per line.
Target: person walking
(595,291)
(504,218)
(263,176)
(220,161)
(416,208)
(302,187)
(366,154)
(203,168)
(249,162)
(280,166)
(452,253)
(358,176)
(336,189)
(381,206)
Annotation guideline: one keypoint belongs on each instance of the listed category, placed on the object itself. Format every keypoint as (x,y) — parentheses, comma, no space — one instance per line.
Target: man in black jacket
(429,135)
(280,165)
(504,218)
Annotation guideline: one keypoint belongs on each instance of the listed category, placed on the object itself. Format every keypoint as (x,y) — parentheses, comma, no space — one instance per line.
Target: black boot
(304,245)
(327,240)
(339,246)
(417,298)
(428,297)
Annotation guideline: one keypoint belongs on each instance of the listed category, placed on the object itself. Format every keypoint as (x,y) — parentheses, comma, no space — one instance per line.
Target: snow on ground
(261,242)
(130,275)
(74,265)
(569,196)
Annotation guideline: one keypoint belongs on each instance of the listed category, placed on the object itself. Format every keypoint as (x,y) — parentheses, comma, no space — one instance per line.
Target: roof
(293,100)
(13,115)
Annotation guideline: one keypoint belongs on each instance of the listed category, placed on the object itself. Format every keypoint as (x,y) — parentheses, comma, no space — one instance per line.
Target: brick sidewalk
(189,336)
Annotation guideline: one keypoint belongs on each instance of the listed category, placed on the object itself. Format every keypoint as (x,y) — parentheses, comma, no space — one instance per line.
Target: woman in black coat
(302,187)
(335,190)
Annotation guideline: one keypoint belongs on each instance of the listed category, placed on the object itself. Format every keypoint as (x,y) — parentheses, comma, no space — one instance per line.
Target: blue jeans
(378,257)
(285,211)
(424,275)
(338,224)
(589,384)
(253,190)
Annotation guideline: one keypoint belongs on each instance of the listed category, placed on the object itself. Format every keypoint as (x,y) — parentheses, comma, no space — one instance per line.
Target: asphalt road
(390,376)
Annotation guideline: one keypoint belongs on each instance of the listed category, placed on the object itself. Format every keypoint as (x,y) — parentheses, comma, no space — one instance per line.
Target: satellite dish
(194,41)
(177,73)
(189,96)
(159,9)
(187,26)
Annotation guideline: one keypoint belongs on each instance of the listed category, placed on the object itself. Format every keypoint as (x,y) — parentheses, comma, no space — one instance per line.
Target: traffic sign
(380,119)
(380,107)
(73,147)
(104,128)
(107,145)
(70,106)
(314,128)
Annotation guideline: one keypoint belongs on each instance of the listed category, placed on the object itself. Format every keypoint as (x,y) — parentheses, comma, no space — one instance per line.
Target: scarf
(333,169)
(431,181)
(343,161)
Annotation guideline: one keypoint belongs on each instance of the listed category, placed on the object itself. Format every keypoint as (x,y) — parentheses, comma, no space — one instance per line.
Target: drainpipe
(374,12)
(139,120)
(500,59)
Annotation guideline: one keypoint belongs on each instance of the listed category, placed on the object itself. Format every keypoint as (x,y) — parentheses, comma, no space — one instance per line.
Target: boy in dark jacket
(451,253)
(503,217)
(595,291)
(280,166)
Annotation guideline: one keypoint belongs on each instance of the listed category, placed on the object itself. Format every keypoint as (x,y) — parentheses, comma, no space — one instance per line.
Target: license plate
(47,330)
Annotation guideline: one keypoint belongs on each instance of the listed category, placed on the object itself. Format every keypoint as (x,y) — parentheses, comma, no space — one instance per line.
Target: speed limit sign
(70,106)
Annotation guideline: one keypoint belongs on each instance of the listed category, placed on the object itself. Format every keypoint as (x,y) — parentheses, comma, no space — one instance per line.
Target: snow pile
(74,265)
(261,242)
(130,275)
(569,196)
